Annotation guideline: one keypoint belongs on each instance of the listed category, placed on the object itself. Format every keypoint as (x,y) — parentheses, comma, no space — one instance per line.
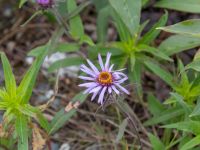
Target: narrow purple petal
(111,67)
(101,62)
(89,84)
(87,70)
(110,90)
(93,67)
(96,89)
(88,90)
(107,61)
(114,88)
(119,75)
(94,95)
(87,78)
(122,88)
(122,80)
(101,96)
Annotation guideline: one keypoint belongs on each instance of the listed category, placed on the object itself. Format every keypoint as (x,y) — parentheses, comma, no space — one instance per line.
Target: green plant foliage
(129,12)
(188,27)
(186,6)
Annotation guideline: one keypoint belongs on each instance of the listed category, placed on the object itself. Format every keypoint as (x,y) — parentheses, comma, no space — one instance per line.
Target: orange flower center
(105,78)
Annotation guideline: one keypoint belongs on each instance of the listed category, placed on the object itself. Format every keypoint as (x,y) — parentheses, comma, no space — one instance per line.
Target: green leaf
(25,88)
(21,127)
(67,47)
(9,76)
(42,121)
(66,62)
(135,77)
(166,76)
(186,6)
(164,116)
(132,61)
(187,126)
(62,116)
(188,27)
(123,31)
(178,43)
(61,47)
(154,105)
(102,23)
(195,65)
(76,26)
(180,101)
(196,110)
(122,129)
(24,91)
(21,3)
(191,144)
(37,51)
(155,52)
(86,39)
(129,11)
(151,35)
(156,142)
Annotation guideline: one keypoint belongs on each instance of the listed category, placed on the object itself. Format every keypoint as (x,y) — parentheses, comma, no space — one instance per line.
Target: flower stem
(127,114)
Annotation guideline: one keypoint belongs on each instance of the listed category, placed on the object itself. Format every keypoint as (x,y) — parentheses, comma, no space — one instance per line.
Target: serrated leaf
(188,5)
(129,11)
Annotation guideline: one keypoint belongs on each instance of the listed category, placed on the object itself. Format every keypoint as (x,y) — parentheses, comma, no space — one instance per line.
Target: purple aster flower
(45,3)
(104,81)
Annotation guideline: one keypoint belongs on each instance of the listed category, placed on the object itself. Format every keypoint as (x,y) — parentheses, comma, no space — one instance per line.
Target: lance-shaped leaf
(155,142)
(8,76)
(129,11)
(76,26)
(24,91)
(191,143)
(62,116)
(21,127)
(151,35)
(186,6)
(187,126)
(188,27)
(178,43)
